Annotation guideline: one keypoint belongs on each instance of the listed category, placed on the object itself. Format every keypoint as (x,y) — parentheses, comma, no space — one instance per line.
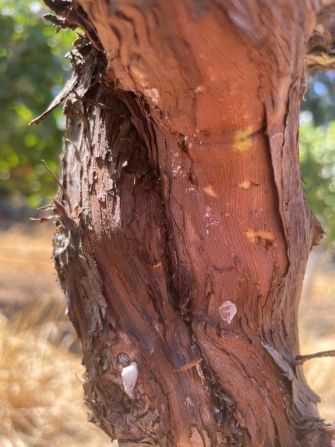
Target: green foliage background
(33,69)
(317,155)
(317,150)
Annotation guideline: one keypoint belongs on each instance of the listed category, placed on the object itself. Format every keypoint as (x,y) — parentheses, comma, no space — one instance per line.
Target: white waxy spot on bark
(129,378)
(227,311)
(177,164)
(191,190)
(199,89)
(189,402)
(211,221)
(153,95)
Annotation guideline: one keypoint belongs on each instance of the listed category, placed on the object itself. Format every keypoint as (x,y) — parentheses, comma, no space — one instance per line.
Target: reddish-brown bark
(183,199)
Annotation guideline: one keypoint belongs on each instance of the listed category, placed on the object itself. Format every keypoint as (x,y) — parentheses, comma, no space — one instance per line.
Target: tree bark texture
(183,231)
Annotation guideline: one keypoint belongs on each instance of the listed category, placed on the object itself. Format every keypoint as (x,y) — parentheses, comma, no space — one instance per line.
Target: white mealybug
(129,377)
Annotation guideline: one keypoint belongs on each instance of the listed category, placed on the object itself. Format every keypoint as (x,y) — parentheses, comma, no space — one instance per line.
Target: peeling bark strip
(184,233)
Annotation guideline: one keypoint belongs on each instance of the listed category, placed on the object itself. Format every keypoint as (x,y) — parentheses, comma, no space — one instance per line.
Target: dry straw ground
(41,401)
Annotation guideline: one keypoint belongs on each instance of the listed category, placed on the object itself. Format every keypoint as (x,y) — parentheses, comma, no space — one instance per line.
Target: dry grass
(41,399)
(40,391)
(317,329)
(41,396)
